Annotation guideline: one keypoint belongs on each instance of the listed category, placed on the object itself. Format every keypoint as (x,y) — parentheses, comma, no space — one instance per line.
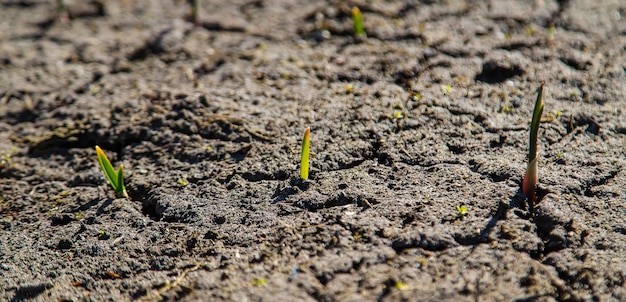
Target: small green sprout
(115,178)
(397,114)
(507,109)
(401,285)
(94,89)
(259,282)
(559,154)
(195,12)
(304,159)
(397,111)
(79,215)
(529,184)
(415,96)
(103,235)
(461,211)
(182,182)
(357,20)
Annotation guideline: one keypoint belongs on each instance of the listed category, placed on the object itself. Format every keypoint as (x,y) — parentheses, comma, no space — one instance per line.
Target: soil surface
(428,112)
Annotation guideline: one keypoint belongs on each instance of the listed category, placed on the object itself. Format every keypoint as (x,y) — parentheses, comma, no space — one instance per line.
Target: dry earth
(427,113)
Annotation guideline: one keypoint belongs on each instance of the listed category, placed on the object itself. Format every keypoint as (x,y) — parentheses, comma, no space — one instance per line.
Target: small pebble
(429,52)
(319,35)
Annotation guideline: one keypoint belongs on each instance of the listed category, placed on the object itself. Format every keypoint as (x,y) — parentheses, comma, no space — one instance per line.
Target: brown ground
(395,150)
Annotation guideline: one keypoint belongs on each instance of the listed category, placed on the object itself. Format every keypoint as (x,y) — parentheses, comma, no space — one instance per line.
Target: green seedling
(400,285)
(397,114)
(529,184)
(461,211)
(195,12)
(259,282)
(357,20)
(115,178)
(103,235)
(304,158)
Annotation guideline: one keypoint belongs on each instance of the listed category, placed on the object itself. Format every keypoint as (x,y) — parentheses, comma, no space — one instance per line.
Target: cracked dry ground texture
(395,149)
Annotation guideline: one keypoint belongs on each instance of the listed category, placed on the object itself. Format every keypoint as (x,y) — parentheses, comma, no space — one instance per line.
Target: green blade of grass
(121,189)
(357,20)
(195,13)
(109,173)
(529,183)
(534,125)
(304,159)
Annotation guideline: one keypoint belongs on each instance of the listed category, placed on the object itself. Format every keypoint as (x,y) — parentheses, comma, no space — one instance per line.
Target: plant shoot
(195,12)
(357,20)
(114,178)
(304,159)
(529,184)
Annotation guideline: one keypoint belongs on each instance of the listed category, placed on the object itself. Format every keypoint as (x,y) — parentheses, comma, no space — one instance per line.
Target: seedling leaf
(461,210)
(531,178)
(534,125)
(107,168)
(259,282)
(357,19)
(304,159)
(114,178)
(195,12)
(121,189)
(401,285)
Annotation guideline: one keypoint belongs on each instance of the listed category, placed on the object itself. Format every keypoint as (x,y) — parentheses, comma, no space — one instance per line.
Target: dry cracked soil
(428,112)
